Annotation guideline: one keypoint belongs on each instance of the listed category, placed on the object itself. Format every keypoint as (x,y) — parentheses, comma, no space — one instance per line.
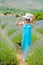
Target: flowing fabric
(26,39)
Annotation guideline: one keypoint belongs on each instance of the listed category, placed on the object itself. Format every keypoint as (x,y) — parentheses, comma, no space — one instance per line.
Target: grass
(11,31)
(40,30)
(34,38)
(0,20)
(18,38)
(36,58)
(3,26)
(7,54)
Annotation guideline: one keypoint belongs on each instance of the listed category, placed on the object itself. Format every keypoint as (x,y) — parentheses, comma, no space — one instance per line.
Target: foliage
(38,15)
(17,15)
(11,31)
(7,55)
(3,25)
(40,30)
(0,20)
(17,39)
(7,12)
(36,58)
(34,38)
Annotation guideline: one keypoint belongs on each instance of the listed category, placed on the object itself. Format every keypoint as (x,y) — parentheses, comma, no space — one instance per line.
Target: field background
(22,4)
(11,35)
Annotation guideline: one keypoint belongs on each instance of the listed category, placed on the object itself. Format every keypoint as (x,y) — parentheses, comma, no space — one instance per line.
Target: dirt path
(6,15)
(21,62)
(1,14)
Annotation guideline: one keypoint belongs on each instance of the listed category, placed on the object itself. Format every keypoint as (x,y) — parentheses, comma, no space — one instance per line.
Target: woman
(27,34)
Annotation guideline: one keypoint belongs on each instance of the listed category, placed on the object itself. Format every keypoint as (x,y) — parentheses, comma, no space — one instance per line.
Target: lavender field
(11,35)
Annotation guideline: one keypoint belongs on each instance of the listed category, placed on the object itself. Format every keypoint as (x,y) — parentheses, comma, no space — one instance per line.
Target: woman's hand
(19,23)
(19,19)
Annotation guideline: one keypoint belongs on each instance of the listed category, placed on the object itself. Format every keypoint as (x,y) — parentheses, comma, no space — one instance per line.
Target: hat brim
(25,17)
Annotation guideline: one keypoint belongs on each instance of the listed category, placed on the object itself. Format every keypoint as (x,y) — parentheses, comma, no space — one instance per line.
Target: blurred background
(11,35)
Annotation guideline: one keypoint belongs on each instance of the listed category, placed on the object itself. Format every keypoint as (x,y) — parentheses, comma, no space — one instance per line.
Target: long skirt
(26,40)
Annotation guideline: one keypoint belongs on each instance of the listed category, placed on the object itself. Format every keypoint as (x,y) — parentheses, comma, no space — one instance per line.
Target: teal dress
(26,38)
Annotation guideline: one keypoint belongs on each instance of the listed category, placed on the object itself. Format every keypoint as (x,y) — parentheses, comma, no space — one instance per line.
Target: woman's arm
(32,19)
(19,23)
